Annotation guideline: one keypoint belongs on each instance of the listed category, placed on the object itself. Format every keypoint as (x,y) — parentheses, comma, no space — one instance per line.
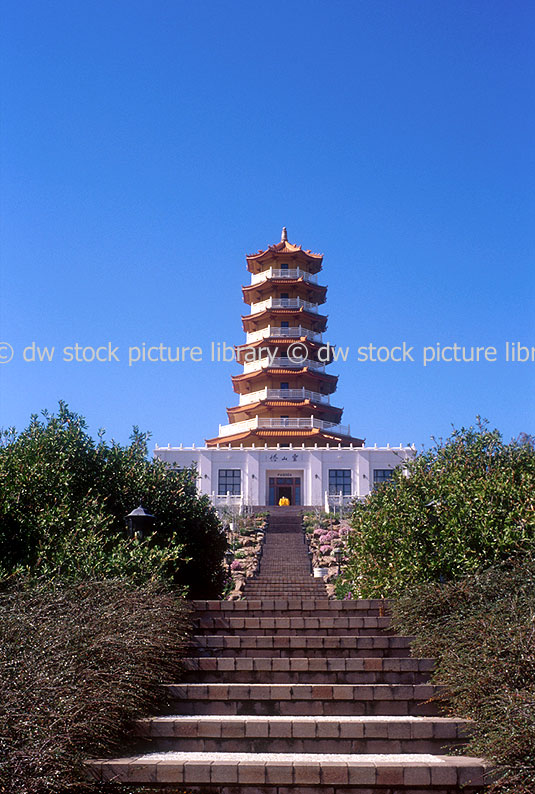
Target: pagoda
(284,389)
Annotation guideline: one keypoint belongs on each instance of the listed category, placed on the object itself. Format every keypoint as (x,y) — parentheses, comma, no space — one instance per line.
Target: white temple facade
(324,477)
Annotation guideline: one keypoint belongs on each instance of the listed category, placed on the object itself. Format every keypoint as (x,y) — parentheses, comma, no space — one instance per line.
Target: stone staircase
(287,691)
(285,567)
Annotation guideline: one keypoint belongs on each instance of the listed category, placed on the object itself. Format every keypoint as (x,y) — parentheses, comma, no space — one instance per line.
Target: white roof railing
(283,303)
(282,423)
(293,273)
(296,331)
(284,394)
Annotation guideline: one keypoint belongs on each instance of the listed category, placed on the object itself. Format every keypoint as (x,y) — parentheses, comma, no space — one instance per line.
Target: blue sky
(147,146)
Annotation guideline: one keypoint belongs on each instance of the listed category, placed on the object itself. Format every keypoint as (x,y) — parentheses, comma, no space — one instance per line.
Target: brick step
(307,671)
(286,513)
(281,592)
(303,577)
(305,773)
(286,552)
(350,734)
(278,532)
(295,613)
(288,519)
(301,574)
(278,510)
(295,625)
(318,607)
(295,559)
(304,645)
(285,528)
(283,584)
(279,570)
(278,538)
(303,699)
(290,583)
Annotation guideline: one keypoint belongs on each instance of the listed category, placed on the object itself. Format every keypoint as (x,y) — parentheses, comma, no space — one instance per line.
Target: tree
(468,502)
(63,499)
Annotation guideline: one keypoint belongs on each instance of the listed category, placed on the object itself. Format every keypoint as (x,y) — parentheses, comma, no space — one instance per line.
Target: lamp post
(337,553)
(139,522)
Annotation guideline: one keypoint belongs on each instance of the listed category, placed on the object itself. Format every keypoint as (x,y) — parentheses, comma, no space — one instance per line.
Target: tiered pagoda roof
(284,391)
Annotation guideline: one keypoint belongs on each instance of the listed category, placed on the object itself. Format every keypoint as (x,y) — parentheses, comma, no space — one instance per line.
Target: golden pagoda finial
(284,235)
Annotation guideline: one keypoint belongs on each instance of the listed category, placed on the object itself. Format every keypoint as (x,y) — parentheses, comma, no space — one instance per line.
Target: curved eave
(282,371)
(304,288)
(260,437)
(320,410)
(225,441)
(317,322)
(282,342)
(334,438)
(280,250)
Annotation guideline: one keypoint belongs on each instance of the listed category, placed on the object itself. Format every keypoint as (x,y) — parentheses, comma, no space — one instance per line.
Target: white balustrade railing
(284,394)
(258,278)
(283,303)
(297,331)
(282,361)
(282,423)
(256,336)
(272,330)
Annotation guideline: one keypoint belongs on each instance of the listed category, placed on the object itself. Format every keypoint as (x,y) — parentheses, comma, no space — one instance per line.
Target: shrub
(466,503)
(480,630)
(64,498)
(81,660)
(325,549)
(342,589)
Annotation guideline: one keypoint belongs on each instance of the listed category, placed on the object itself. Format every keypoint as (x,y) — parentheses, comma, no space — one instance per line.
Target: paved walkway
(287,691)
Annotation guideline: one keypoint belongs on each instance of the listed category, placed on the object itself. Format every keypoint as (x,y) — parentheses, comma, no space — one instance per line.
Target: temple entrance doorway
(284,487)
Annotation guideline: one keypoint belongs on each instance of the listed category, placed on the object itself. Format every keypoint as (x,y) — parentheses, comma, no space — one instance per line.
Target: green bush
(480,630)
(342,589)
(78,662)
(63,499)
(467,502)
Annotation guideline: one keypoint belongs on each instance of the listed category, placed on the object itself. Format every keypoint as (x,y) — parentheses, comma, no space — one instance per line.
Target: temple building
(284,438)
